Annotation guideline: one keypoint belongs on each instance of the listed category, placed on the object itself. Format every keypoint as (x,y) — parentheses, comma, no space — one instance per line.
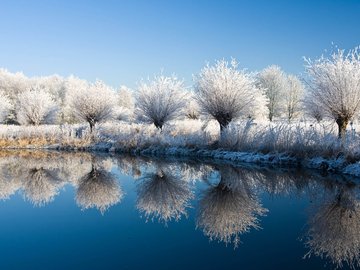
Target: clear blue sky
(123,41)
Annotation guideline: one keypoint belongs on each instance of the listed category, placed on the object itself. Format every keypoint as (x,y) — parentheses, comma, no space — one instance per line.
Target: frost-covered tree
(293,97)
(12,84)
(258,109)
(192,109)
(54,83)
(73,85)
(272,81)
(334,84)
(312,109)
(224,92)
(124,109)
(36,106)
(5,107)
(93,103)
(160,100)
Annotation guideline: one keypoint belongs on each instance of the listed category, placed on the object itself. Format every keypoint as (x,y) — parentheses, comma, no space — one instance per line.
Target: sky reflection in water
(80,210)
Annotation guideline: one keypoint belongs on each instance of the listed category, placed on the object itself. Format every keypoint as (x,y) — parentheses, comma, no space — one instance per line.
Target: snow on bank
(338,166)
(274,144)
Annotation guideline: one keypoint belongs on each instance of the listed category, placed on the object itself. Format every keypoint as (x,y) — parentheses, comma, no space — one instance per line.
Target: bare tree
(334,84)
(224,92)
(36,106)
(312,109)
(293,97)
(93,103)
(160,100)
(272,81)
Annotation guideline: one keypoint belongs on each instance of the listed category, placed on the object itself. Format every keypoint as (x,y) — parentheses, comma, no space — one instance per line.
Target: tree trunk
(224,121)
(342,124)
(270,117)
(91,127)
(158,125)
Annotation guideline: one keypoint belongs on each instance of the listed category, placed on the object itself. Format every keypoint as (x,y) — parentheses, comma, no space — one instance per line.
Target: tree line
(221,91)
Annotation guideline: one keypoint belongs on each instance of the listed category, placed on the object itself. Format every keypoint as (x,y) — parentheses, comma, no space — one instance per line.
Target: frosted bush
(5,107)
(35,106)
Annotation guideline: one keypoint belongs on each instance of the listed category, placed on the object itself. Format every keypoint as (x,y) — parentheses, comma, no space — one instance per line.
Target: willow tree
(93,103)
(334,84)
(36,106)
(160,100)
(224,92)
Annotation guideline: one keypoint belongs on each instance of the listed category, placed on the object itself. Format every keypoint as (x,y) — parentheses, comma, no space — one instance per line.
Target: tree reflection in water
(334,229)
(8,185)
(230,208)
(98,188)
(40,185)
(163,196)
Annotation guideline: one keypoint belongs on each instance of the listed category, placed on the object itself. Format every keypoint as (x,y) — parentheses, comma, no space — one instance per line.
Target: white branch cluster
(160,100)
(36,106)
(334,84)
(224,92)
(93,103)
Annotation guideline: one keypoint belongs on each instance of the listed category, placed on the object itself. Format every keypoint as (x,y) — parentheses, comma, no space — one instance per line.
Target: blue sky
(121,42)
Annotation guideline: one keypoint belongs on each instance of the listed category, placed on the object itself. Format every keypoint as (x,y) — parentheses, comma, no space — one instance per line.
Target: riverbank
(303,146)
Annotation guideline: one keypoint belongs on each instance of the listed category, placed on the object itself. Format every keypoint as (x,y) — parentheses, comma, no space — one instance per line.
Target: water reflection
(227,204)
(98,188)
(229,208)
(39,176)
(40,185)
(163,196)
(334,229)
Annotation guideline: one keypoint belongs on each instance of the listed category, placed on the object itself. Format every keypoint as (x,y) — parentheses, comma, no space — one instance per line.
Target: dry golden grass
(26,142)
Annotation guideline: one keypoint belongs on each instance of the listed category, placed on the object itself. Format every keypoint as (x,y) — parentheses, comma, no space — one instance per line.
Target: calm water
(84,211)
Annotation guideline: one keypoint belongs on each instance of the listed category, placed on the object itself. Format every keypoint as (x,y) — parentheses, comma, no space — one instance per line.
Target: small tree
(192,108)
(36,106)
(224,92)
(93,103)
(334,84)
(160,100)
(258,109)
(124,109)
(272,81)
(293,95)
(5,107)
(313,110)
